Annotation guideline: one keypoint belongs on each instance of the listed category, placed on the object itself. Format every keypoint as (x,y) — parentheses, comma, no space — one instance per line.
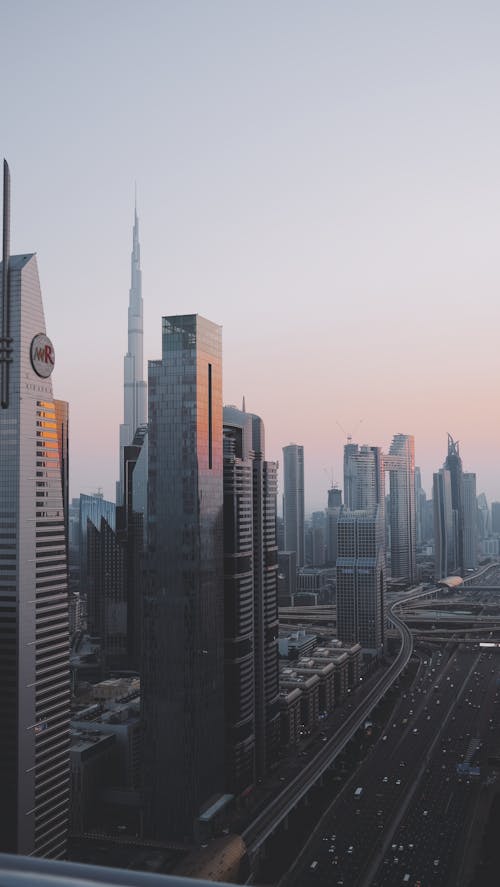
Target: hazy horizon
(320,180)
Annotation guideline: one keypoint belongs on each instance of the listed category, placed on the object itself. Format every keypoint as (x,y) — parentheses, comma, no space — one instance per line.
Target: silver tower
(134,386)
(34,647)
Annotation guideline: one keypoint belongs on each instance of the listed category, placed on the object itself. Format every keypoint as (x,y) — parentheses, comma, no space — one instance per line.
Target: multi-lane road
(410,822)
(277,810)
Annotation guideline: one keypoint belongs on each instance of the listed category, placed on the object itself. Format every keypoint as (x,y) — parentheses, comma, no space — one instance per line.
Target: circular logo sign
(42,355)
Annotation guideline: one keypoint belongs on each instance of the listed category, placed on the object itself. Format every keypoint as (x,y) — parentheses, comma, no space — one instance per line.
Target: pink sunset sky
(321,178)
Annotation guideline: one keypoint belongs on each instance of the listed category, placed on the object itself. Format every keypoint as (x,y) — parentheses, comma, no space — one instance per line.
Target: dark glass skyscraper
(453,463)
(183,656)
(293,500)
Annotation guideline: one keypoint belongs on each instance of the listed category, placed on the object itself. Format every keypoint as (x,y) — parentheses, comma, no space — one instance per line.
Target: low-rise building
(309,701)
(293,644)
(290,716)
(326,674)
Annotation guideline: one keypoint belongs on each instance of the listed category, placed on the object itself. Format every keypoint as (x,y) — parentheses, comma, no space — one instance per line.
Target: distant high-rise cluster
(455,516)
(365,470)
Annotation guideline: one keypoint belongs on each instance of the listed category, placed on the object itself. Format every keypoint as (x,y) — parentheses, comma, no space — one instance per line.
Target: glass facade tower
(444,525)
(183,651)
(400,462)
(453,463)
(361,578)
(293,500)
(34,645)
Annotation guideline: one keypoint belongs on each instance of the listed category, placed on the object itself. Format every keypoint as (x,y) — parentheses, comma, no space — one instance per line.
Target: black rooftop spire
(5,339)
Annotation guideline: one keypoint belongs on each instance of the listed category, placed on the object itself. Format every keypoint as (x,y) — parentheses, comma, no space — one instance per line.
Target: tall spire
(5,339)
(134,386)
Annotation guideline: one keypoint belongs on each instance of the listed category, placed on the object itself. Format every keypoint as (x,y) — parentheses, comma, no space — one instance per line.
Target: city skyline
(359,181)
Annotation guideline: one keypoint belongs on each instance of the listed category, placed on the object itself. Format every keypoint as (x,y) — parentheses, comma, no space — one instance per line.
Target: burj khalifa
(134,386)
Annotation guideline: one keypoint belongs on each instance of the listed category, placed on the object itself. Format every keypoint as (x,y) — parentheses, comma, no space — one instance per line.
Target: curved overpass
(268,821)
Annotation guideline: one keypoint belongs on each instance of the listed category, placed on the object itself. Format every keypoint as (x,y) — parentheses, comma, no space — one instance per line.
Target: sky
(320,178)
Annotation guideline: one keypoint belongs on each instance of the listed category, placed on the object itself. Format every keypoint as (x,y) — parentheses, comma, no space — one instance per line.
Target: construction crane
(349,434)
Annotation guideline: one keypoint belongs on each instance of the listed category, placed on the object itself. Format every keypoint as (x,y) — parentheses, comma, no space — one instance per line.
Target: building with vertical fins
(293,500)
(400,462)
(182,690)
(361,579)
(34,647)
(250,601)
(134,386)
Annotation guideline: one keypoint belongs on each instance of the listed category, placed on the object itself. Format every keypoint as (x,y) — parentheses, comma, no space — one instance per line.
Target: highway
(359,838)
(278,809)
(413,820)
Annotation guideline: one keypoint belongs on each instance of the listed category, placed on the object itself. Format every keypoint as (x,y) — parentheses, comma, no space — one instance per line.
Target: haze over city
(321,180)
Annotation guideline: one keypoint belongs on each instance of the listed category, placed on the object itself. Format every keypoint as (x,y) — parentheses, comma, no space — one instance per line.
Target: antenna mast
(5,339)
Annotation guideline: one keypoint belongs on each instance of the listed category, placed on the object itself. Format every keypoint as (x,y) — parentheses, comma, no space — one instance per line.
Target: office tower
(453,463)
(332,516)
(361,579)
(334,497)
(364,477)
(444,525)
(420,507)
(484,516)
(183,655)
(250,601)
(34,650)
(131,518)
(470,521)
(134,386)
(318,539)
(400,463)
(239,678)
(287,577)
(92,509)
(293,500)
(350,449)
(495,518)
(106,592)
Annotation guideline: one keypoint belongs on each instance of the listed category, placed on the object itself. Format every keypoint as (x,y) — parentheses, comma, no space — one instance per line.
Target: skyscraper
(495,518)
(183,652)
(400,462)
(350,449)
(332,517)
(293,500)
(470,521)
(361,578)
(364,477)
(250,606)
(34,649)
(445,561)
(134,386)
(420,507)
(453,463)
